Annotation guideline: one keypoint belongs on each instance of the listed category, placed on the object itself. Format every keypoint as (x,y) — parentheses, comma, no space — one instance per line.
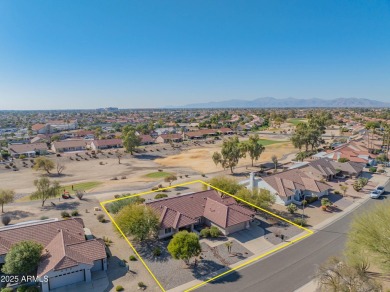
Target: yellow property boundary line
(309,232)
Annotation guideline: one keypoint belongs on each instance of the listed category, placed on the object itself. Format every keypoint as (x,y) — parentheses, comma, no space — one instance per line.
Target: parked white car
(375,194)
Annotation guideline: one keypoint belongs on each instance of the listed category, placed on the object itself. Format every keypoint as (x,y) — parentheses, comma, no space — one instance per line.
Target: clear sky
(88,54)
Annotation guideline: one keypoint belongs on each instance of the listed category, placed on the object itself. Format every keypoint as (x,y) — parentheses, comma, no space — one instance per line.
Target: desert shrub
(292,208)
(326,202)
(203,175)
(100,218)
(75,213)
(214,231)
(119,288)
(132,258)
(160,196)
(304,203)
(363,181)
(343,159)
(5,219)
(337,192)
(80,194)
(7,289)
(107,241)
(160,170)
(123,177)
(22,156)
(141,285)
(65,214)
(154,188)
(205,232)
(114,178)
(357,186)
(300,221)
(101,163)
(157,251)
(44,217)
(372,169)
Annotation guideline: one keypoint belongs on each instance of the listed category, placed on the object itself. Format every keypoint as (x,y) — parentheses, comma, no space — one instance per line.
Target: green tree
(336,275)
(43,163)
(224,183)
(369,236)
(22,258)
(253,147)
(170,179)
(140,221)
(184,245)
(6,197)
(45,189)
(344,189)
(130,140)
(231,153)
(217,158)
(259,197)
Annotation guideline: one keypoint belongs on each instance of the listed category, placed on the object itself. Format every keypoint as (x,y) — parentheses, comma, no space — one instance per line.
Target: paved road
(294,266)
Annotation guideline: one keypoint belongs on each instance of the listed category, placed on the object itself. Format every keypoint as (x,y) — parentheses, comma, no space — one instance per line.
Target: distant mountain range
(270,102)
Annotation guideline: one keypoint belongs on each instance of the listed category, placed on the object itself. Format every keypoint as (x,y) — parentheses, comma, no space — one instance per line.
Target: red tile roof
(187,209)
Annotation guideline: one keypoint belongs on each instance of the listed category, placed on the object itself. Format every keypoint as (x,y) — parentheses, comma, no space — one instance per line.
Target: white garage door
(66,279)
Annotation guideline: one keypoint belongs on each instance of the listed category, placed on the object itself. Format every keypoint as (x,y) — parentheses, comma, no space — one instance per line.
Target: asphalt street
(293,267)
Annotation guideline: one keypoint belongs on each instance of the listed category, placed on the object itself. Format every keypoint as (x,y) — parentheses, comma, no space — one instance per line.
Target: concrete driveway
(99,283)
(252,238)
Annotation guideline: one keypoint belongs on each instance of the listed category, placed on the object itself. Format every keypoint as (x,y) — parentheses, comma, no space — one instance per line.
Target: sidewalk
(311,286)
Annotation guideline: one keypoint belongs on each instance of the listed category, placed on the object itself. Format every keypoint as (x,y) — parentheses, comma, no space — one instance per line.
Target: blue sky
(88,54)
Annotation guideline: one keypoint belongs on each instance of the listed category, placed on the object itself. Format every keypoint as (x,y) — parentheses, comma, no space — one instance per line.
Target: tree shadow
(18,214)
(62,206)
(116,271)
(148,156)
(203,269)
(146,248)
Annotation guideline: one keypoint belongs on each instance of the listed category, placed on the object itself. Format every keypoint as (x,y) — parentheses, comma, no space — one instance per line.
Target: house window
(168,230)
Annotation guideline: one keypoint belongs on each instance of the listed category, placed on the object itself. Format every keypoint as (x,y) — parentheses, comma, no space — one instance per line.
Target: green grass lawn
(158,174)
(266,142)
(296,121)
(85,186)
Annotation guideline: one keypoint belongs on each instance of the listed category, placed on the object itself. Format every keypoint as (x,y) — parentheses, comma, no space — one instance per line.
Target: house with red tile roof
(29,150)
(186,212)
(67,257)
(146,139)
(106,144)
(167,138)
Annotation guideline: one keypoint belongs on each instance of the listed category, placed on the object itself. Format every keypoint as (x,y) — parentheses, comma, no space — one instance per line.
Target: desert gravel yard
(172,273)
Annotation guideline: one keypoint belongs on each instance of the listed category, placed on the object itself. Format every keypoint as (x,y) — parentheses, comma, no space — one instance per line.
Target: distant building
(29,150)
(69,145)
(167,138)
(106,144)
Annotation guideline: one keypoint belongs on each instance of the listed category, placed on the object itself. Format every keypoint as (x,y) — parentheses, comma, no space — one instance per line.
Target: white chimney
(251,181)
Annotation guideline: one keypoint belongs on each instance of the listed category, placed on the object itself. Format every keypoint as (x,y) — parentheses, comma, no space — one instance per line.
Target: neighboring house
(352,151)
(41,129)
(190,211)
(62,125)
(40,138)
(146,139)
(226,131)
(327,169)
(67,257)
(290,186)
(29,150)
(68,145)
(167,138)
(106,144)
(200,134)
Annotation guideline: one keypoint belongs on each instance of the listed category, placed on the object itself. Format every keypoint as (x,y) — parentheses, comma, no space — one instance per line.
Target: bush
(22,156)
(44,217)
(337,192)
(119,288)
(157,251)
(116,206)
(311,199)
(141,285)
(326,202)
(214,231)
(160,196)
(5,219)
(65,214)
(372,169)
(27,289)
(100,218)
(300,221)
(292,208)
(80,194)
(132,258)
(205,232)
(7,289)
(343,159)
(75,213)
